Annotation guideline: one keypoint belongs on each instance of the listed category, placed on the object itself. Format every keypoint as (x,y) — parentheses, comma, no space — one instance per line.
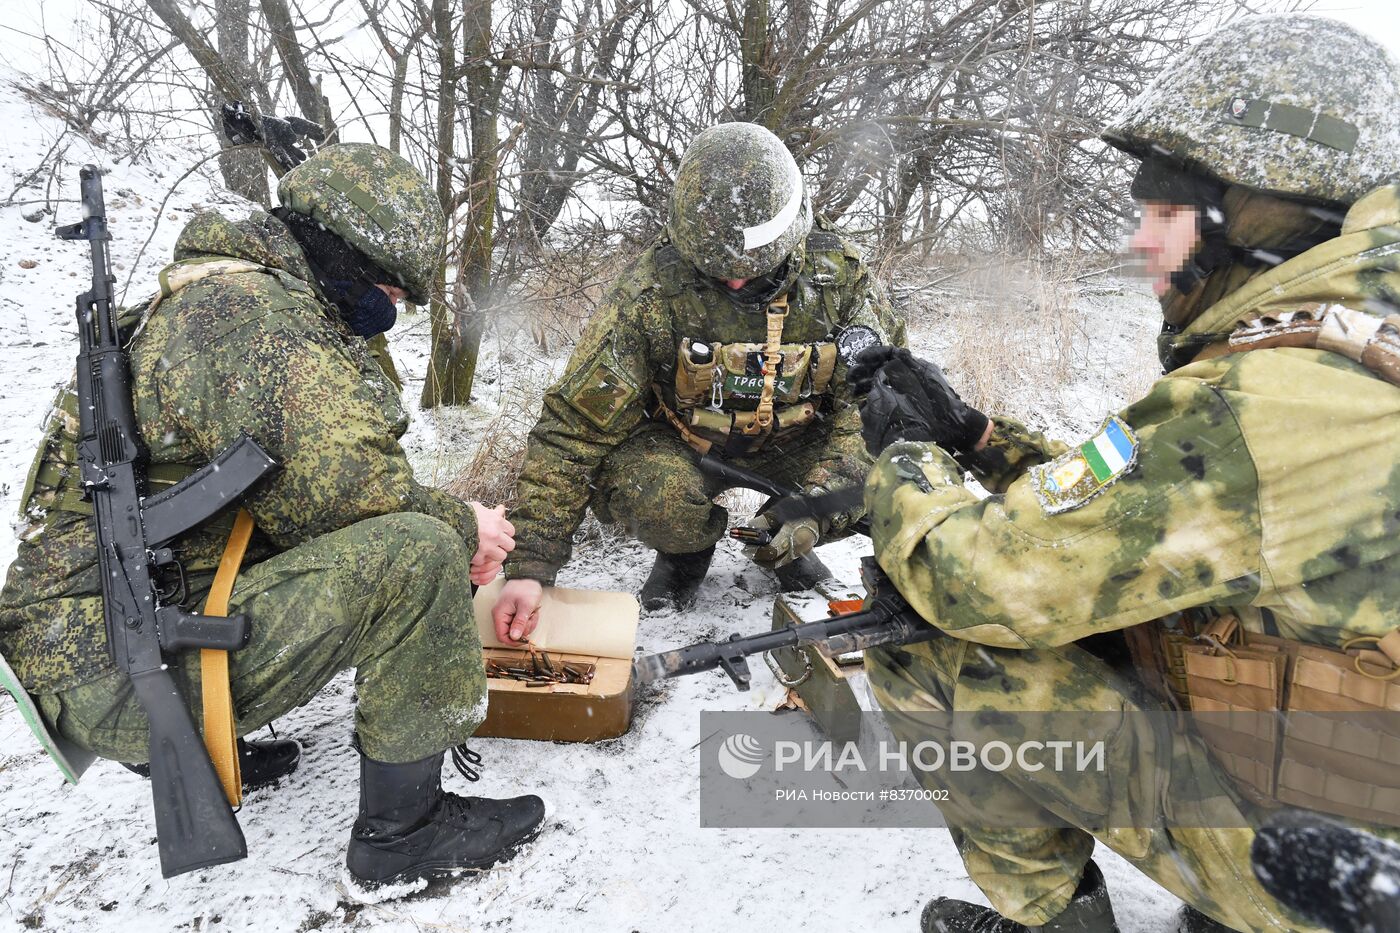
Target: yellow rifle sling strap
(762,420)
(220,735)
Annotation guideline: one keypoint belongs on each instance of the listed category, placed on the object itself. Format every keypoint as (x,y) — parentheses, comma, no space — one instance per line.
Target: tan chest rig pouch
(1242,681)
(740,396)
(1253,694)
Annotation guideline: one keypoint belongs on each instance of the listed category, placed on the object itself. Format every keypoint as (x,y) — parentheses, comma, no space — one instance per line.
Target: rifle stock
(791,503)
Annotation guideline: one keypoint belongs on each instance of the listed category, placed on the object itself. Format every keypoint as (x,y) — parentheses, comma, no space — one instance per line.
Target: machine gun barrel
(887,618)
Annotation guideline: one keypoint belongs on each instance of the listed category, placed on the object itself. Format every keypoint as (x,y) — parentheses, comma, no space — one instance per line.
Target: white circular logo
(740,756)
(854,339)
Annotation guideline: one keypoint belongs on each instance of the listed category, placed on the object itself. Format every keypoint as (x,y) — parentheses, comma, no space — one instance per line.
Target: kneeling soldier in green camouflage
(724,336)
(1251,499)
(260,327)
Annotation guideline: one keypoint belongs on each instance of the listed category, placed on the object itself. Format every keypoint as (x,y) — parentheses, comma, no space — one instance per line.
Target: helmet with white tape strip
(739,206)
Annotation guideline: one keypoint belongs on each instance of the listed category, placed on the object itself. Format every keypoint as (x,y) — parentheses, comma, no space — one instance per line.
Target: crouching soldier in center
(260,327)
(724,336)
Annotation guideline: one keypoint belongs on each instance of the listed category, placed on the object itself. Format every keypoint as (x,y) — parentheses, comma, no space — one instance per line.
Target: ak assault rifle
(195,826)
(886,619)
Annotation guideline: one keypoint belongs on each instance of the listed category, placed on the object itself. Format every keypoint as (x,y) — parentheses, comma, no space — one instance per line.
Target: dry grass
(494,470)
(1025,339)
(552,308)
(1018,334)
(560,297)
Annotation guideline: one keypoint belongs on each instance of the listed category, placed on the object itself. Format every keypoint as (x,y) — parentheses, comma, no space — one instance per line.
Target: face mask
(366,309)
(760,290)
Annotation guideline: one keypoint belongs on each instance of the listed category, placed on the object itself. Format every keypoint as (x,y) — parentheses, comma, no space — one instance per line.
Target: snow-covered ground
(623,850)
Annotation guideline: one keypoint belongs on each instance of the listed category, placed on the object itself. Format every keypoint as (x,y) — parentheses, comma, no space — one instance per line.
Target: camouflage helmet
(739,206)
(1295,105)
(378,203)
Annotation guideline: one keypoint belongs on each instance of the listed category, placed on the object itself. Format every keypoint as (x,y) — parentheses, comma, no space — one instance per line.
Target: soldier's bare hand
(517,610)
(483,571)
(495,537)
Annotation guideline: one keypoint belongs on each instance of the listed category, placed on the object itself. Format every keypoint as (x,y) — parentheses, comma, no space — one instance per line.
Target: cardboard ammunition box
(590,629)
(820,681)
(560,712)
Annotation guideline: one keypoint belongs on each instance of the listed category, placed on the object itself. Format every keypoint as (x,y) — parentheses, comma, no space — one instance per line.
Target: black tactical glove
(909,399)
(286,138)
(861,373)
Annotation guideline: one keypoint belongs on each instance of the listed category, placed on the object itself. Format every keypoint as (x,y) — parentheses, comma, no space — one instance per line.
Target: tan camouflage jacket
(240,340)
(631,344)
(1266,481)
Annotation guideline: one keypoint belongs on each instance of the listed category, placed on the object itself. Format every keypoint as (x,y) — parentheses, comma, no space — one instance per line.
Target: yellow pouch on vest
(716,424)
(1346,767)
(741,365)
(1342,765)
(792,417)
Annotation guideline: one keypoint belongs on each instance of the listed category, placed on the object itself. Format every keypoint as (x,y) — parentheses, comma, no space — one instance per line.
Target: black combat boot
(260,762)
(1089,911)
(409,828)
(675,580)
(802,574)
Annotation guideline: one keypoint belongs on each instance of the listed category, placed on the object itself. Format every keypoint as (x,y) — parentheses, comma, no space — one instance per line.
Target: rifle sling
(762,420)
(220,734)
(701,445)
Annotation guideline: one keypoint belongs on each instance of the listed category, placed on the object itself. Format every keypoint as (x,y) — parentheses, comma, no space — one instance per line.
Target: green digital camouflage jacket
(1265,481)
(240,340)
(631,344)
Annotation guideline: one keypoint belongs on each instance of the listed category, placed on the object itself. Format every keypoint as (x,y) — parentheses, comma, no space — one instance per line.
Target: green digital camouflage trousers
(388,596)
(651,484)
(1153,777)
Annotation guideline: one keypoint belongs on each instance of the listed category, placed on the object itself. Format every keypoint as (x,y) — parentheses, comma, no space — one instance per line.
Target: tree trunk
(224,80)
(228,84)
(284,36)
(472,290)
(759,74)
(452,364)
(244,172)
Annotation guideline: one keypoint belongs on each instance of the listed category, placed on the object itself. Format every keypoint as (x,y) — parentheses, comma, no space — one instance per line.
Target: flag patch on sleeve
(1071,480)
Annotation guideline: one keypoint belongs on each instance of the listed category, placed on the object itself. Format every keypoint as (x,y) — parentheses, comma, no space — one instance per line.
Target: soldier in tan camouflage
(259,327)
(724,336)
(1251,498)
